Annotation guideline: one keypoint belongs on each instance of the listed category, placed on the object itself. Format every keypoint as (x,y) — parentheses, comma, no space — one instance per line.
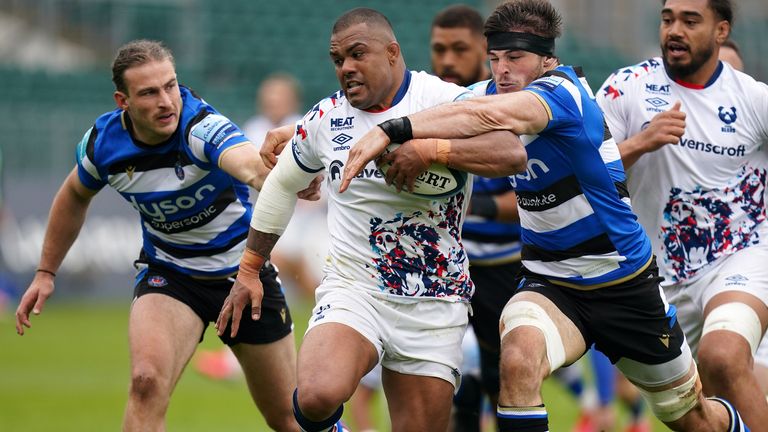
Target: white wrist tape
(277,198)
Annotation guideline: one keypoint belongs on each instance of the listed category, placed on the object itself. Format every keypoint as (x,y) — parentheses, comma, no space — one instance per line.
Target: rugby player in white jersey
(692,132)
(730,52)
(185,168)
(396,286)
(588,272)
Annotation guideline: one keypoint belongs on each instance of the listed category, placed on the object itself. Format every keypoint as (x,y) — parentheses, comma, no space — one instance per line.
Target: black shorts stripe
(550,197)
(598,245)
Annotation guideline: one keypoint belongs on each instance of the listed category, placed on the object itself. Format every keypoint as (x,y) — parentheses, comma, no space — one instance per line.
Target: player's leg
(733,327)
(361,404)
(266,352)
(536,338)
(422,360)
(162,333)
(761,365)
(641,333)
(417,403)
(332,359)
(604,375)
(270,371)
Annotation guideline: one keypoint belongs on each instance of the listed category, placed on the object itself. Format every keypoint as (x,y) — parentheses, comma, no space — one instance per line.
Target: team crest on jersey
(727,116)
(157,281)
(179,170)
(129,172)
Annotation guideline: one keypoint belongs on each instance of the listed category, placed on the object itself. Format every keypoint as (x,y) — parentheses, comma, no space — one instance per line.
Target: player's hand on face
(33,300)
(274,143)
(246,290)
(665,128)
(407,162)
(368,148)
(312,192)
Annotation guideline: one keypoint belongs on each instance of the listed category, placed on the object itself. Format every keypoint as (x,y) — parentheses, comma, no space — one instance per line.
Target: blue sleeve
(214,134)
(87,170)
(562,99)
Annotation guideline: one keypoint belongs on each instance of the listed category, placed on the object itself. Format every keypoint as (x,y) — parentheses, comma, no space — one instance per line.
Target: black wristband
(40,270)
(398,130)
(484,206)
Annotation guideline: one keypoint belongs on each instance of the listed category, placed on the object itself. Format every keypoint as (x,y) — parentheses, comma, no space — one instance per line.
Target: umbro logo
(736,279)
(657,102)
(341,139)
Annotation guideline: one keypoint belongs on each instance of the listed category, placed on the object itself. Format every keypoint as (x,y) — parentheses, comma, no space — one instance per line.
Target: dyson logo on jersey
(738,151)
(159,210)
(530,173)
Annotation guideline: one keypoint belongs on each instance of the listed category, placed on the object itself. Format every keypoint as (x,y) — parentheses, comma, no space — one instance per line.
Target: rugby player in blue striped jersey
(588,272)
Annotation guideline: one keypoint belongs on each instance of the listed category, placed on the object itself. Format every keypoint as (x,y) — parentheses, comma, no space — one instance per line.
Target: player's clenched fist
(665,128)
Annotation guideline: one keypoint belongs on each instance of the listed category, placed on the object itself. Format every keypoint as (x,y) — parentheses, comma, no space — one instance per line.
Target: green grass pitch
(70,373)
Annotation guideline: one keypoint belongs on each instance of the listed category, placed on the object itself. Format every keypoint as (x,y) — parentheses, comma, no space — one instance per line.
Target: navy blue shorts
(624,320)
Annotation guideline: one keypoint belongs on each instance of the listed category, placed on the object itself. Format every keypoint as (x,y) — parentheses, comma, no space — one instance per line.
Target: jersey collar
(711,81)
(400,93)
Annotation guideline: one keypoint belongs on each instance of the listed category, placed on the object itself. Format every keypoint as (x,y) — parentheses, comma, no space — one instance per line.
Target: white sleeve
(762,109)
(612,107)
(277,198)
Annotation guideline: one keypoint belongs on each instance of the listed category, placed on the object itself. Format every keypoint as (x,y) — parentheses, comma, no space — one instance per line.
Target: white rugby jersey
(397,244)
(702,198)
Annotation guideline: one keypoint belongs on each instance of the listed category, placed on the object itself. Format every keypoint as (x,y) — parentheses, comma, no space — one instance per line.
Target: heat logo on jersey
(411,262)
(341,123)
(703,225)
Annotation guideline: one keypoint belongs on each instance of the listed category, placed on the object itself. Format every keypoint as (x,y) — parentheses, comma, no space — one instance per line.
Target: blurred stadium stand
(55,57)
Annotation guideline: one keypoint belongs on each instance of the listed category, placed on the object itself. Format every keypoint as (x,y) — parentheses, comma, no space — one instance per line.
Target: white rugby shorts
(745,271)
(416,336)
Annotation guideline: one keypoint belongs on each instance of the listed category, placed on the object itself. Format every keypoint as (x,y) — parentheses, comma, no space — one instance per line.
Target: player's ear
(722,31)
(393,52)
(121,99)
(550,62)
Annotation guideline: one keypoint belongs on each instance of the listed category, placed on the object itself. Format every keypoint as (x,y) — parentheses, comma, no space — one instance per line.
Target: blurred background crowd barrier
(55,80)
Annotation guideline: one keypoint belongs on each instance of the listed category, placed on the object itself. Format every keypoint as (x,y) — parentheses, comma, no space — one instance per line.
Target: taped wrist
(483,205)
(398,130)
(251,262)
(443,150)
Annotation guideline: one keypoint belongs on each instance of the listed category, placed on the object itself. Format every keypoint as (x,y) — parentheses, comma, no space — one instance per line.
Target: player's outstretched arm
(66,217)
(274,143)
(247,288)
(244,163)
(271,215)
(492,154)
(665,128)
(521,113)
